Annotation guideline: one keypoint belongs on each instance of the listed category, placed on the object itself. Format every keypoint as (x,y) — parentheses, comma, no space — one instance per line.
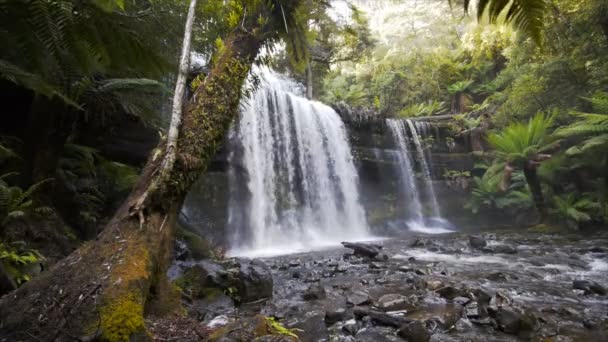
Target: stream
(496,286)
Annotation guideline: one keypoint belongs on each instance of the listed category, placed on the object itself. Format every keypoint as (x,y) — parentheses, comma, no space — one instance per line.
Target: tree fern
(526,15)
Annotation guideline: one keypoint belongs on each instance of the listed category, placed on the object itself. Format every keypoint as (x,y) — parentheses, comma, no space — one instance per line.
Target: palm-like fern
(526,15)
(521,146)
(574,209)
(519,143)
(488,193)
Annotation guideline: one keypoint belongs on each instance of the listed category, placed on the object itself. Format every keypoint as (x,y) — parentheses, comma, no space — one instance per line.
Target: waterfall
(406,171)
(426,173)
(298,170)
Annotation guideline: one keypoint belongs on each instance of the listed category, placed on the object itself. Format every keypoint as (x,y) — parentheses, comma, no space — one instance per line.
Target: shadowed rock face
(441,288)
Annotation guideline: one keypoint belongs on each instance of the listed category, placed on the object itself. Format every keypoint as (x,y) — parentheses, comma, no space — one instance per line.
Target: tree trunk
(309,81)
(536,189)
(178,96)
(105,287)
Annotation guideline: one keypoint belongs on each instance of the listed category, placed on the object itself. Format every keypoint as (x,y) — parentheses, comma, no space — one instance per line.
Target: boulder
(392,302)
(311,328)
(414,332)
(500,249)
(381,318)
(513,321)
(448,292)
(252,279)
(589,287)
(477,242)
(314,292)
(357,298)
(336,315)
(364,250)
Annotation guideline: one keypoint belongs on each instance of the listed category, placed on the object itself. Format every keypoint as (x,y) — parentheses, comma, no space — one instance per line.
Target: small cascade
(406,170)
(298,170)
(426,173)
(417,220)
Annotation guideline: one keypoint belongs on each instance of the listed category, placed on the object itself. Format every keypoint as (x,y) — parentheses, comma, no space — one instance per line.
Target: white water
(409,184)
(302,183)
(406,170)
(430,190)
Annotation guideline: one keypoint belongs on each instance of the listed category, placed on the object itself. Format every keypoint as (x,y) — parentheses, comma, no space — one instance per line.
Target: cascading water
(406,170)
(301,180)
(426,173)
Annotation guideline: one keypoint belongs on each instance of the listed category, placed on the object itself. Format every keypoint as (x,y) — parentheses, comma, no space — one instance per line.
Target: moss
(122,319)
(199,247)
(277,328)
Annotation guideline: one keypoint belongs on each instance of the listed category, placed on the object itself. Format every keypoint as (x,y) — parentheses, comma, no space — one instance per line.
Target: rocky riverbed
(505,286)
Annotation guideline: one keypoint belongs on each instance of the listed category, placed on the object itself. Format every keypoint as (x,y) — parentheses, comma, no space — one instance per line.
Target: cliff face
(206,209)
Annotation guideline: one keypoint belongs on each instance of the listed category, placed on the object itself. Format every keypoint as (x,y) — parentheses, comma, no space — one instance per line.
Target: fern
(526,15)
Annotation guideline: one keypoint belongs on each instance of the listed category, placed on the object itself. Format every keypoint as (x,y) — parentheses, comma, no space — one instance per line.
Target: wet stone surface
(453,287)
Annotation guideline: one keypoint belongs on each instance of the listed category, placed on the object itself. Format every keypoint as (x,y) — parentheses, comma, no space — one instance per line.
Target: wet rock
(361,249)
(448,292)
(463,325)
(512,321)
(253,280)
(381,318)
(471,310)
(335,316)
(218,321)
(503,249)
(433,284)
(589,287)
(213,305)
(477,242)
(350,327)
(312,328)
(461,300)
(357,298)
(341,268)
(375,266)
(381,281)
(392,302)
(414,332)
(497,276)
(371,335)
(314,292)
(381,257)
(482,321)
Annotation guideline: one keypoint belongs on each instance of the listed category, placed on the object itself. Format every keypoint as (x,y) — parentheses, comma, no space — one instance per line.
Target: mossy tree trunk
(105,287)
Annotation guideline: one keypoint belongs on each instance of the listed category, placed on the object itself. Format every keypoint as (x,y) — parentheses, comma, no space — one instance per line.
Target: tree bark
(531,175)
(178,96)
(105,287)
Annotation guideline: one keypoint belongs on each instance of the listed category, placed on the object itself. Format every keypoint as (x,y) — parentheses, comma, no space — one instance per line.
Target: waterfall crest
(298,170)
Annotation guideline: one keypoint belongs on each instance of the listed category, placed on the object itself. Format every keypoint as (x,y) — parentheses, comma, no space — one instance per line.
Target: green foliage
(15,201)
(17,260)
(279,329)
(488,194)
(423,109)
(526,15)
(575,210)
(518,142)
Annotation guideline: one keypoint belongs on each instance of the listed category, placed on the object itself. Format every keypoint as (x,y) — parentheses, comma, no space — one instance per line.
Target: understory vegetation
(532,105)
